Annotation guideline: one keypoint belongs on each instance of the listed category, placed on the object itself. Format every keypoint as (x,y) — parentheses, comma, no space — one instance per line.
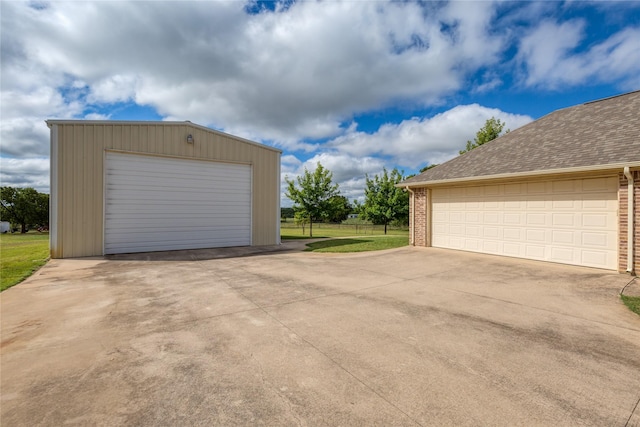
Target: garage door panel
(491,246)
(567,221)
(535,235)
(597,204)
(472,244)
(536,219)
(565,186)
(594,220)
(513,218)
(456,230)
(491,232)
(534,252)
(598,240)
(473,231)
(472,217)
(510,205)
(559,220)
(456,242)
(536,187)
(513,189)
(595,185)
(594,258)
(512,249)
(156,203)
(456,217)
(563,255)
(512,233)
(565,237)
(536,203)
(491,218)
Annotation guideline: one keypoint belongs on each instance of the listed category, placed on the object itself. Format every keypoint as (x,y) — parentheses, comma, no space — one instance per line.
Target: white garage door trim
(161,203)
(565,221)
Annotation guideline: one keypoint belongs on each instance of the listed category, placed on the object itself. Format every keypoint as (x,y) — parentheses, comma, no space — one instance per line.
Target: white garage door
(569,221)
(157,204)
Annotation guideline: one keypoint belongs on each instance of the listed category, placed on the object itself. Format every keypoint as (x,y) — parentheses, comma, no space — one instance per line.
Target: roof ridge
(611,97)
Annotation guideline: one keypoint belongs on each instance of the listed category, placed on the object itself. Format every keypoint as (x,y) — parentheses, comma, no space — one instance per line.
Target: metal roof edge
(51,122)
(595,168)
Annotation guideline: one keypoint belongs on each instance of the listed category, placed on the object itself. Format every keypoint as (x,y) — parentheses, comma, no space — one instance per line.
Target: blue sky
(355,85)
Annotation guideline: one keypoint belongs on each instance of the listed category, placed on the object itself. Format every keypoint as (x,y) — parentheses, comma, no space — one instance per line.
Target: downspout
(413,216)
(630,217)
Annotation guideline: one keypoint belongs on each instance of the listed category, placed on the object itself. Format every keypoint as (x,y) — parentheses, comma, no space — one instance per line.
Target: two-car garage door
(159,203)
(565,221)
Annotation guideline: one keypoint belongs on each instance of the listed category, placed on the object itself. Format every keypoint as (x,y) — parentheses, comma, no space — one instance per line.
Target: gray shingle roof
(594,134)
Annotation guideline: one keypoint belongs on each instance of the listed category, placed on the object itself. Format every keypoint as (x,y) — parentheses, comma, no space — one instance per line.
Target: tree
(24,207)
(286,212)
(301,217)
(340,209)
(313,194)
(490,131)
(384,202)
(426,168)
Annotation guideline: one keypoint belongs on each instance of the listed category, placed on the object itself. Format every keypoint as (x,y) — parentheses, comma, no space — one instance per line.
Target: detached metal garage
(564,188)
(121,187)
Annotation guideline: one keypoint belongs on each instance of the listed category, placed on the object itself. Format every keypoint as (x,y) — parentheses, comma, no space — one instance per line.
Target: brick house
(564,188)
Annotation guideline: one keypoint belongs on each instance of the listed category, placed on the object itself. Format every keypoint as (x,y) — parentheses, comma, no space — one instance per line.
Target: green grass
(632,302)
(359,244)
(291,231)
(21,255)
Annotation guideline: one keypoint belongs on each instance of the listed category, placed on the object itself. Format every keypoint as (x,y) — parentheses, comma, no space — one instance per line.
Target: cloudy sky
(356,85)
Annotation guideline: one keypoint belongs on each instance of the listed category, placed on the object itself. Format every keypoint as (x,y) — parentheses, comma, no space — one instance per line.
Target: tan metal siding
(80,169)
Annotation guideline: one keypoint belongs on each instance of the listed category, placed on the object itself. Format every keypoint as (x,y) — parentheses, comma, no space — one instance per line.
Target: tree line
(24,208)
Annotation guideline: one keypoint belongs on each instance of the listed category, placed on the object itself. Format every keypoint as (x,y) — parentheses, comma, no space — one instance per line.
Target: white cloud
(25,173)
(552,57)
(25,137)
(116,88)
(421,141)
(97,116)
(283,76)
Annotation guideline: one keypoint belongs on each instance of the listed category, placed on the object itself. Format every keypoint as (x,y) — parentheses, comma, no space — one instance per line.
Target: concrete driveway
(411,336)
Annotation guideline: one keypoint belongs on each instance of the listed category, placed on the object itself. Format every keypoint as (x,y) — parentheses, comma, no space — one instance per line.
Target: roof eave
(594,168)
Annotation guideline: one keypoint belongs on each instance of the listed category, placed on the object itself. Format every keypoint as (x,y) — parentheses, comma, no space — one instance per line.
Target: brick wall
(623,215)
(419,226)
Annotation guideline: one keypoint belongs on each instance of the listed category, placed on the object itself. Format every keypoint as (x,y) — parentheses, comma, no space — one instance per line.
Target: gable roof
(601,134)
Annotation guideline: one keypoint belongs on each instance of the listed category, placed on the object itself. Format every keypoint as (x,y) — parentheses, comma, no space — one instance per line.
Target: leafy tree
(301,217)
(490,131)
(286,212)
(428,167)
(24,207)
(340,209)
(357,207)
(313,194)
(384,202)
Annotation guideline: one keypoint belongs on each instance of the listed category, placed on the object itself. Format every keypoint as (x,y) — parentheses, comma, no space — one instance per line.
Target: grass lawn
(21,255)
(359,244)
(632,302)
(337,230)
